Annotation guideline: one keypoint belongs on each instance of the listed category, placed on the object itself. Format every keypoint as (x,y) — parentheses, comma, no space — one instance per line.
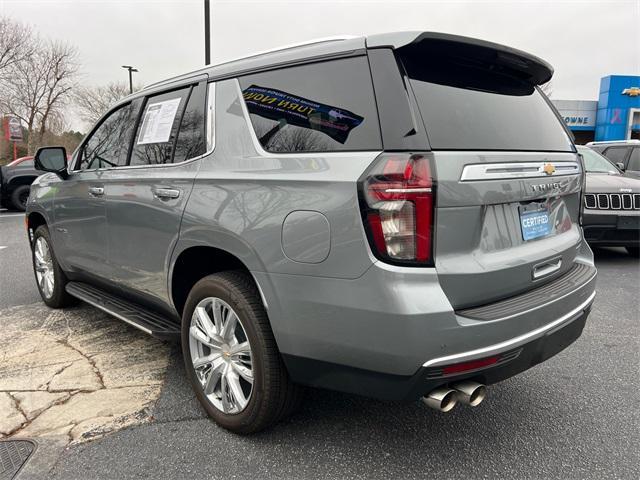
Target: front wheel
(50,278)
(231,356)
(633,251)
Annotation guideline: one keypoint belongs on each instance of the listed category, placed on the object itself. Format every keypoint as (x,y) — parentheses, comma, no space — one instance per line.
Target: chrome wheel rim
(221,355)
(44,267)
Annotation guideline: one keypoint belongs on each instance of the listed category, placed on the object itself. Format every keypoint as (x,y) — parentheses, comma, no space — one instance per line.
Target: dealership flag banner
(13,129)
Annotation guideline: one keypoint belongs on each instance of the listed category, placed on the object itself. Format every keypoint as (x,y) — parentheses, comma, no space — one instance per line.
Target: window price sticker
(158,121)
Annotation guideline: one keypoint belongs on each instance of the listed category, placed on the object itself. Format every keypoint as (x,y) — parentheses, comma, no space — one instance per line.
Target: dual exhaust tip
(445,398)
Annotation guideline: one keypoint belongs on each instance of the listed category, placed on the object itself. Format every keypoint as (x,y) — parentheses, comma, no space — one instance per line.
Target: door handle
(96,191)
(166,193)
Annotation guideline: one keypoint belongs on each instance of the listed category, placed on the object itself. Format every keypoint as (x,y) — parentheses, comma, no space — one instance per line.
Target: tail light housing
(397,202)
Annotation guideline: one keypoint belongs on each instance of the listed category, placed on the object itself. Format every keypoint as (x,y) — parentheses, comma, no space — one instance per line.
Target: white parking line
(1,247)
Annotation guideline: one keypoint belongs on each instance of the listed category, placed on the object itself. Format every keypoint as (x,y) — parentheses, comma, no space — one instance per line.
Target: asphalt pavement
(17,285)
(574,416)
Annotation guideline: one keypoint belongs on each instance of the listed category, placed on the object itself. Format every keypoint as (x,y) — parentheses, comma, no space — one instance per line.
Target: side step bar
(129,312)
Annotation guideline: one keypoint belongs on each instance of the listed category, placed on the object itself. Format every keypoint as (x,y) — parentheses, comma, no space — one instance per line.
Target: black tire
(633,251)
(19,197)
(273,396)
(59,297)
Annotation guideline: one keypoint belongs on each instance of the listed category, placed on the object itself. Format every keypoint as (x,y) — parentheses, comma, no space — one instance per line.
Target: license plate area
(535,221)
(628,223)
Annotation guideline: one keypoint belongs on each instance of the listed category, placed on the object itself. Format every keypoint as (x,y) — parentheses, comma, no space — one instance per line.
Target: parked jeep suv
(611,204)
(395,216)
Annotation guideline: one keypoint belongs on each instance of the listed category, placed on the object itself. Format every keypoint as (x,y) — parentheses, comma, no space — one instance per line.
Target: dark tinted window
(616,154)
(468,105)
(158,128)
(108,145)
(318,107)
(634,160)
(191,137)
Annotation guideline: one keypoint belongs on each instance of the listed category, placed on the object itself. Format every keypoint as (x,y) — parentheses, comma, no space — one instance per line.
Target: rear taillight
(397,201)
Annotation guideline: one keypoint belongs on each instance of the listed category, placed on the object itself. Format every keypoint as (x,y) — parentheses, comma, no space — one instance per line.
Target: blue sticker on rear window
(295,110)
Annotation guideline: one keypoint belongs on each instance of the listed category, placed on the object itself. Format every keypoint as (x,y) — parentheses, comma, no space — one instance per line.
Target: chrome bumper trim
(511,343)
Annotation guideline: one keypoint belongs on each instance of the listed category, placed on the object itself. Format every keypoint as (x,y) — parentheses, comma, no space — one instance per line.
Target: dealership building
(614,116)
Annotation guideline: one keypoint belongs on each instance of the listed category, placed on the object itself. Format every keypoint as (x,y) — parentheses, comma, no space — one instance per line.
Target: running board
(129,312)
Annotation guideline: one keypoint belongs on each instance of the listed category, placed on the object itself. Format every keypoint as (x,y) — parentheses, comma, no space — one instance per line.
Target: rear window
(468,106)
(319,107)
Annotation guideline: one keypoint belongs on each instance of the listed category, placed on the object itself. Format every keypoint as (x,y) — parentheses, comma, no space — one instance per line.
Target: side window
(324,107)
(158,128)
(108,145)
(191,137)
(616,154)
(634,160)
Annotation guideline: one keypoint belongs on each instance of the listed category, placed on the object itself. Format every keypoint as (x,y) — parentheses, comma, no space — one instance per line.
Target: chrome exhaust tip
(442,399)
(470,393)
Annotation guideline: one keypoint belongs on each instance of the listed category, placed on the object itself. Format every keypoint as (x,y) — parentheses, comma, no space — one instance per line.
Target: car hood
(604,183)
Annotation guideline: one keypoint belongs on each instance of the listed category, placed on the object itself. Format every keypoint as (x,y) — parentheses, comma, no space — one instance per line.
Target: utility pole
(207,34)
(131,70)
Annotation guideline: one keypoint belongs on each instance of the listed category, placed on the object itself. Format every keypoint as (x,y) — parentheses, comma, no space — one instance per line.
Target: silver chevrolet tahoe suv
(396,216)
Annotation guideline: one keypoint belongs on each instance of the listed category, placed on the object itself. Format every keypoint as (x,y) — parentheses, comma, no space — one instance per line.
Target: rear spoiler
(525,66)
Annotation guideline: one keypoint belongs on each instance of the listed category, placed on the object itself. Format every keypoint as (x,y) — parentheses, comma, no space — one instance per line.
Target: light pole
(131,70)
(207,34)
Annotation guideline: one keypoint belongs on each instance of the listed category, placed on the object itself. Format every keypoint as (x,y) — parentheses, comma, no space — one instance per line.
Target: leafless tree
(15,43)
(38,86)
(93,102)
(60,80)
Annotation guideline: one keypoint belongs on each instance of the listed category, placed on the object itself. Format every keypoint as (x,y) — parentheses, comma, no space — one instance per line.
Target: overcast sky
(583,40)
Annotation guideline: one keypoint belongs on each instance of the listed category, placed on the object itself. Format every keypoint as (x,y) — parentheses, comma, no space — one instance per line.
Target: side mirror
(620,165)
(52,159)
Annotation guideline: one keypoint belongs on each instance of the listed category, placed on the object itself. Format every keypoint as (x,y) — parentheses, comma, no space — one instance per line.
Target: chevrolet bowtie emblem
(632,92)
(549,169)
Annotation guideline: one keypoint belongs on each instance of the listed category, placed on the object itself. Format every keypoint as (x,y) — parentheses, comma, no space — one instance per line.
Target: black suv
(15,183)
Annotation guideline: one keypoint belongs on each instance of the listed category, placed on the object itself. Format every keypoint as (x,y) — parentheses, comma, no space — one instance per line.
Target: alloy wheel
(221,355)
(44,267)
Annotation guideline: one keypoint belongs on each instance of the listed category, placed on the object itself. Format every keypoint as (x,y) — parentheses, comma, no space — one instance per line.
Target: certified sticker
(535,224)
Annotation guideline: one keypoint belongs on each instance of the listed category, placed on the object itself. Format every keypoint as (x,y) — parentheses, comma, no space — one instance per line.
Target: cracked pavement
(74,372)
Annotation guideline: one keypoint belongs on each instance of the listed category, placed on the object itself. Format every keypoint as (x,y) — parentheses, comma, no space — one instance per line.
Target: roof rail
(601,142)
(263,52)
(292,45)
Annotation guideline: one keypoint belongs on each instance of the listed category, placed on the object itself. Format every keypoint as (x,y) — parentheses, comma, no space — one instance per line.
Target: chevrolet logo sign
(549,169)
(632,92)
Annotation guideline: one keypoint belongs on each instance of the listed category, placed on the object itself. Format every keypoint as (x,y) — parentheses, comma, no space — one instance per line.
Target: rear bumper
(384,334)
(611,236)
(517,355)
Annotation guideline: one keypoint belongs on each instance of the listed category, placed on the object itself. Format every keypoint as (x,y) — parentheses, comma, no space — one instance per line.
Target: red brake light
(398,208)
